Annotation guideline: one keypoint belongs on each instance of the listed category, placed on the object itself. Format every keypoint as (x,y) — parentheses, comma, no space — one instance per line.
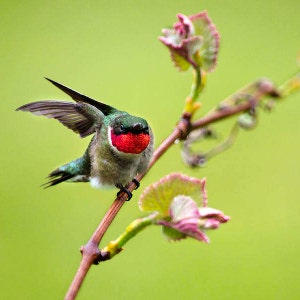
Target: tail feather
(56,177)
(77,170)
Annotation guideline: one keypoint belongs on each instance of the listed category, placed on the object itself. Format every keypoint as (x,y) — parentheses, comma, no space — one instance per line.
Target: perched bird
(121,147)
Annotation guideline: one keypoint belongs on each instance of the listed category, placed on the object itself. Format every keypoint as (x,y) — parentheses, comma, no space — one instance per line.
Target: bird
(121,146)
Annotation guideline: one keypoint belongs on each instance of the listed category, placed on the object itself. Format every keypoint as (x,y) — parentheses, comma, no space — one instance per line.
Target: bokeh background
(109,50)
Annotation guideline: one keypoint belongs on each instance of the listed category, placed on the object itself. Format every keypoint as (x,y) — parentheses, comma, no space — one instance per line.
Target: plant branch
(135,227)
(90,252)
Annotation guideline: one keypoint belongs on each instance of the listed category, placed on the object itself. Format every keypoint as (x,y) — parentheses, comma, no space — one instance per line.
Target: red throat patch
(129,142)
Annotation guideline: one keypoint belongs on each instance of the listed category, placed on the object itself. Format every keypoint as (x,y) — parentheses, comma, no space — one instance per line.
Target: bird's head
(129,134)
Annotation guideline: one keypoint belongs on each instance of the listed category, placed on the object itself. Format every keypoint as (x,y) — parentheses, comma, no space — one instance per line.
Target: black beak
(139,128)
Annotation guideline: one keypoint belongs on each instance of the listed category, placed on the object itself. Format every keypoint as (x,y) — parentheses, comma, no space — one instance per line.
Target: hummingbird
(121,146)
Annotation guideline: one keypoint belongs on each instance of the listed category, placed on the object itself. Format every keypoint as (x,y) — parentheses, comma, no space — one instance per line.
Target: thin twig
(90,252)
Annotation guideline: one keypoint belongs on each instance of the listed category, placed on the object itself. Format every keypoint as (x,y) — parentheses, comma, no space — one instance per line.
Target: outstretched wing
(82,118)
(106,109)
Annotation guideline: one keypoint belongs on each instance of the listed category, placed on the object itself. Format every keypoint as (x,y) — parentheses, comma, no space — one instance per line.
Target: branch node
(102,256)
(267,87)
(91,250)
(184,126)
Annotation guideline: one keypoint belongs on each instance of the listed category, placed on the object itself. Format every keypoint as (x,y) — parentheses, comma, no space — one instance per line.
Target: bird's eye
(122,129)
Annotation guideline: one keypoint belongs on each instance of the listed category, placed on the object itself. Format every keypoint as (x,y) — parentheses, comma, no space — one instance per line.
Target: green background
(109,51)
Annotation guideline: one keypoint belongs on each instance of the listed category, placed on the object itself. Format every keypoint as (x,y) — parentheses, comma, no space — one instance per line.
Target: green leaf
(158,196)
(204,27)
(179,61)
(172,234)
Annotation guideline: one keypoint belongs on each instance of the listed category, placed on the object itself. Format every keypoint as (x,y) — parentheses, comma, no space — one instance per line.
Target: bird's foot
(123,189)
(136,182)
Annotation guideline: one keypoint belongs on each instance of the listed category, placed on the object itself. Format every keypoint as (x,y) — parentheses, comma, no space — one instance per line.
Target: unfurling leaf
(194,40)
(159,195)
(179,206)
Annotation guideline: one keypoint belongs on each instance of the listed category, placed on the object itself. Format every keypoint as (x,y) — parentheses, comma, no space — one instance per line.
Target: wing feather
(82,118)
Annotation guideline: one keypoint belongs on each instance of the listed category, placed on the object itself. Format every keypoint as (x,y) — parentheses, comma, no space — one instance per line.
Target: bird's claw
(136,182)
(123,189)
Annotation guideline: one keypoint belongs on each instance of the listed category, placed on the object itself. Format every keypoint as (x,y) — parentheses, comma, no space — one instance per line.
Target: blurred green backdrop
(109,50)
